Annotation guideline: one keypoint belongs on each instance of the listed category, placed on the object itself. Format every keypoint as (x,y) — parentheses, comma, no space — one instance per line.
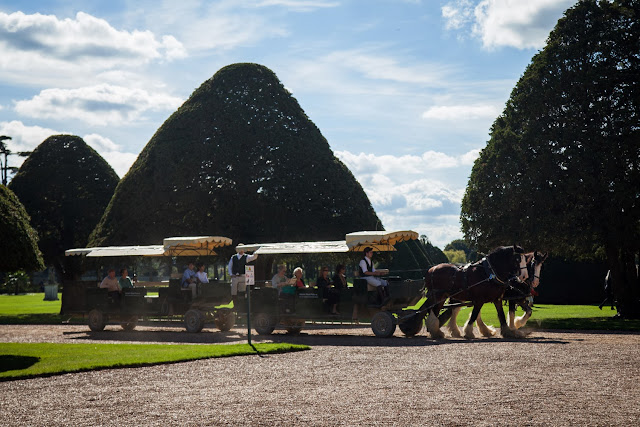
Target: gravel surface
(349,377)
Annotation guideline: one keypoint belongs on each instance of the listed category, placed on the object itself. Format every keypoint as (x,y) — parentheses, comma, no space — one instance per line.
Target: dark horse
(518,293)
(479,283)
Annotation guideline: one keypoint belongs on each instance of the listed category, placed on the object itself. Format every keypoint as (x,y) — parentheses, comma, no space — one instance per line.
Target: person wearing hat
(236,269)
(369,273)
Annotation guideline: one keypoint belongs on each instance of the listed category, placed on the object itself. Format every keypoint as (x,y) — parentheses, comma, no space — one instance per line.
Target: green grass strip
(551,316)
(28,304)
(27,360)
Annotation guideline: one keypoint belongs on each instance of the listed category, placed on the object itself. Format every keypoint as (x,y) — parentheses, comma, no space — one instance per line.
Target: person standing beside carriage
(369,273)
(236,269)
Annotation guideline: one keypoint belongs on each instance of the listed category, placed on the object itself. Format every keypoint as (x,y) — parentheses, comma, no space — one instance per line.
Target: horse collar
(488,270)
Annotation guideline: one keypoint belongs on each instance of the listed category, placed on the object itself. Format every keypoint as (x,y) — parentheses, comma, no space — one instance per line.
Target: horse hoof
(488,332)
(437,335)
(468,332)
(455,332)
(507,332)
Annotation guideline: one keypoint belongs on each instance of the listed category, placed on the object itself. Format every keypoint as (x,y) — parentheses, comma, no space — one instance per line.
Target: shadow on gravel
(204,337)
(312,335)
(417,341)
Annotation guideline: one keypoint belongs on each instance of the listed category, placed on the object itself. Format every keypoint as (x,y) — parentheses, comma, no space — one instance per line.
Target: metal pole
(249,313)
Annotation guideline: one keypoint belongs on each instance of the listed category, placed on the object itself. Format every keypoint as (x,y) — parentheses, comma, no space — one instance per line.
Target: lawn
(548,316)
(25,360)
(29,309)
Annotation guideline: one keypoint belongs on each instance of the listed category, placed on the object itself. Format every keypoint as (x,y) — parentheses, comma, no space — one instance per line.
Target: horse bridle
(494,275)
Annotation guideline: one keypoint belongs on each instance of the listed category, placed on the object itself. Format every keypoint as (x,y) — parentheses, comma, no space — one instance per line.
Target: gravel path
(348,378)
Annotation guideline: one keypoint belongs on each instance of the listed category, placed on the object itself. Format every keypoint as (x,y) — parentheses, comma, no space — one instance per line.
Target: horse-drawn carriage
(100,307)
(270,307)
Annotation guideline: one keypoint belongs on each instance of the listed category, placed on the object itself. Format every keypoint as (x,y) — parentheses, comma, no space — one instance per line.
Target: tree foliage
(561,170)
(18,240)
(65,186)
(470,255)
(241,159)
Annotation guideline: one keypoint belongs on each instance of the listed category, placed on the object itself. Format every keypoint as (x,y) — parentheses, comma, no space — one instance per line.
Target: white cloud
(462,112)
(24,138)
(119,160)
(298,5)
(36,46)
(102,104)
(27,138)
(516,23)
(409,192)
(221,25)
(457,14)
(513,23)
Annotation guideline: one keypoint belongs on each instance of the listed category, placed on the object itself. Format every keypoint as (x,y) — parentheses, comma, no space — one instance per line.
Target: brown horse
(479,283)
(518,294)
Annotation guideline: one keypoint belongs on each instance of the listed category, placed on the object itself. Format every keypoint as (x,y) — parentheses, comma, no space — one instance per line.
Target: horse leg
(484,329)
(431,322)
(505,331)
(468,327)
(512,314)
(454,330)
(522,320)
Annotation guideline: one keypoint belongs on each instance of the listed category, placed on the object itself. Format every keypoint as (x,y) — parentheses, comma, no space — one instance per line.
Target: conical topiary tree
(241,159)
(65,186)
(18,240)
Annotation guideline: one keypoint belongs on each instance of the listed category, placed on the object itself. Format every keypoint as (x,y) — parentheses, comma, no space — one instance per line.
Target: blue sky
(405,91)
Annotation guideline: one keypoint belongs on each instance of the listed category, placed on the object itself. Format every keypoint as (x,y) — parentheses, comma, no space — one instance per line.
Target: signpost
(249,277)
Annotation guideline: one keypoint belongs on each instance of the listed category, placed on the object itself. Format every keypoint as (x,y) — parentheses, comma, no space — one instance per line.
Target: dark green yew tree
(18,240)
(240,159)
(65,186)
(561,171)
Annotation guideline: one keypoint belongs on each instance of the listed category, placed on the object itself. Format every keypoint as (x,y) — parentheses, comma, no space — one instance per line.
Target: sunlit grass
(24,360)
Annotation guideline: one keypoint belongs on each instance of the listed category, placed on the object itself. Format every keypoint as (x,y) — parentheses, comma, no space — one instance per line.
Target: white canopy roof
(78,252)
(381,241)
(153,250)
(296,247)
(173,246)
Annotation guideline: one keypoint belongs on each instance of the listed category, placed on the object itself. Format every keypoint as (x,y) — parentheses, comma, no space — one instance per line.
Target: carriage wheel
(264,323)
(130,324)
(194,320)
(224,319)
(96,320)
(383,324)
(164,307)
(412,327)
(295,326)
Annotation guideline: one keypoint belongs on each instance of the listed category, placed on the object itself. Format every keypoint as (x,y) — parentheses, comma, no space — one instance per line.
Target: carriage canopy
(173,246)
(381,241)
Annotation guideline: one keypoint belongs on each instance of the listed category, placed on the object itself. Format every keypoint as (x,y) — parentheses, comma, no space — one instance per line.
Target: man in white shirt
(369,273)
(236,269)
(201,275)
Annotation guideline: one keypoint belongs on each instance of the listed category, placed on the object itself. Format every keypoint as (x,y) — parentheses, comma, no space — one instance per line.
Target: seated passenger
(297,274)
(201,275)
(340,283)
(111,284)
(125,281)
(329,294)
(279,280)
(369,273)
(189,280)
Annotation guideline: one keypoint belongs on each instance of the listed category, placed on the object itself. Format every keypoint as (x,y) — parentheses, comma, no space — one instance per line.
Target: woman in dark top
(329,294)
(339,279)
